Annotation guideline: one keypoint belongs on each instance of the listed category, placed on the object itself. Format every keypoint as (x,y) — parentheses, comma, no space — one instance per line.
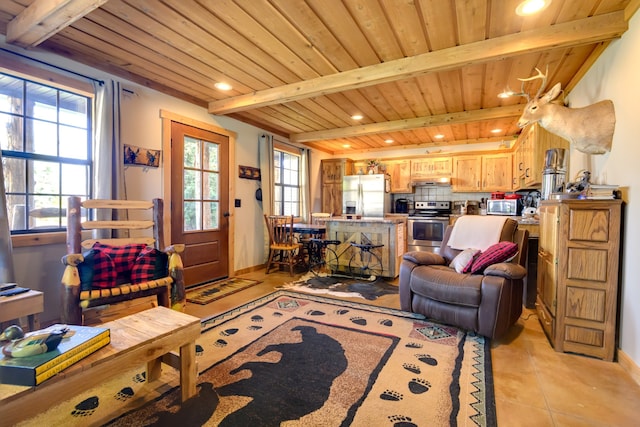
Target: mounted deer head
(588,129)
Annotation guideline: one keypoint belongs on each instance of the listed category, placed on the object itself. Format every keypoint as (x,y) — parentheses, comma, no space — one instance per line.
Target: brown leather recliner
(487,303)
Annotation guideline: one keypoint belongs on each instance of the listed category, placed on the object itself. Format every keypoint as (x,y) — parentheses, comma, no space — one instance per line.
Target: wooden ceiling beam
(44,18)
(583,31)
(408,124)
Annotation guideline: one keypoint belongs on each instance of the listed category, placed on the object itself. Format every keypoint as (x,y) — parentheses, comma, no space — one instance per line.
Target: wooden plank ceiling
(414,69)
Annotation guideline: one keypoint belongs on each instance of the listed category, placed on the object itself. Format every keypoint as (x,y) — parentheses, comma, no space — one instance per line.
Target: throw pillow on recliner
(464,258)
(500,252)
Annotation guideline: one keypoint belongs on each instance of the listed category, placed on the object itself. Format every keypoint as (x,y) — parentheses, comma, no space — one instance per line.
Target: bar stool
(364,262)
(323,260)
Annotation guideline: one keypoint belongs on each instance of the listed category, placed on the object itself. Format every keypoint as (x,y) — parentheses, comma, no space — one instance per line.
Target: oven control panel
(433,205)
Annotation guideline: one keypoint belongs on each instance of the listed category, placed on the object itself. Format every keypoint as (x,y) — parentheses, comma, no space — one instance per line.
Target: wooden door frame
(169,117)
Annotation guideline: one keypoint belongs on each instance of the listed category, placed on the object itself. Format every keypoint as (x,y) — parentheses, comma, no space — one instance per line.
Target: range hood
(444,180)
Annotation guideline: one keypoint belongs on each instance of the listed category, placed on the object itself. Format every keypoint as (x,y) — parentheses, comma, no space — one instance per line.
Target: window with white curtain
(287,184)
(45,139)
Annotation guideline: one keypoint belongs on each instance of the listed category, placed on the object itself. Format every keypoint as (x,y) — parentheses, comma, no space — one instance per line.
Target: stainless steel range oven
(426,226)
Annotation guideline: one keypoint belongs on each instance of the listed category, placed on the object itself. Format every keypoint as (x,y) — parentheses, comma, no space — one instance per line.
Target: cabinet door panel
(466,170)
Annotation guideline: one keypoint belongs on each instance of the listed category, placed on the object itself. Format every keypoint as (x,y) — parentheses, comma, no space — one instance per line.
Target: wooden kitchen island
(388,231)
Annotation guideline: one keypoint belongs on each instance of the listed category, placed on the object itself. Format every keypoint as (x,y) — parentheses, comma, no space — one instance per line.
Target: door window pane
(201,185)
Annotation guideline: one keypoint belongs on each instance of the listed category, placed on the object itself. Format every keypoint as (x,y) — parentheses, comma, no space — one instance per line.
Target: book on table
(75,346)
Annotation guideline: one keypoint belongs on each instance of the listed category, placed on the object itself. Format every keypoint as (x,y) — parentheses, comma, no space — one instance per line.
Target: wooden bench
(142,337)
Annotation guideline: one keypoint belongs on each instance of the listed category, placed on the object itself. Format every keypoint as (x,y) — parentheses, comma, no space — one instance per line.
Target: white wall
(615,76)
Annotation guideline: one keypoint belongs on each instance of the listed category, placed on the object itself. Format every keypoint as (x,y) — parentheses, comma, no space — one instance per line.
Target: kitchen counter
(390,232)
(533,225)
(377,220)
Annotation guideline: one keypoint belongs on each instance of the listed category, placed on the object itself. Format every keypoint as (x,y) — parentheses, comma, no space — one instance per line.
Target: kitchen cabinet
(517,170)
(429,167)
(496,172)
(333,170)
(400,173)
(488,172)
(578,256)
(533,143)
(466,173)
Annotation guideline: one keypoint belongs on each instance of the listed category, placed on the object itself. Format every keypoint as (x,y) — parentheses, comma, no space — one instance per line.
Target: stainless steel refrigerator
(366,195)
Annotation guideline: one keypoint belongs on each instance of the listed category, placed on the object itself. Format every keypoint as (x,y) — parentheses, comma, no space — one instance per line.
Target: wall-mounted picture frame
(141,156)
(249,172)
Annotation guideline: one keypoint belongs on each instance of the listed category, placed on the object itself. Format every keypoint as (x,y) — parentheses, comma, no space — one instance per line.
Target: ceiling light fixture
(389,141)
(223,86)
(357,117)
(496,130)
(346,146)
(439,136)
(529,7)
(507,93)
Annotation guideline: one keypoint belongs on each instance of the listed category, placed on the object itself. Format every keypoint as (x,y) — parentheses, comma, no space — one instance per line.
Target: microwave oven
(504,207)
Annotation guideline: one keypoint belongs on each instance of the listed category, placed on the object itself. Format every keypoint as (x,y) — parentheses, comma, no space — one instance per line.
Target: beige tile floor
(534,385)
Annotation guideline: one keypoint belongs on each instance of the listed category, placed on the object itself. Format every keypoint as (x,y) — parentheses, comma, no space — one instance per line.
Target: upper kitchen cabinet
(533,143)
(430,167)
(488,172)
(466,173)
(333,170)
(400,173)
(496,172)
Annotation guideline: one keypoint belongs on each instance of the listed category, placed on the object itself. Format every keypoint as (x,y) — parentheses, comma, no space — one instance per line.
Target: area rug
(342,286)
(209,292)
(292,359)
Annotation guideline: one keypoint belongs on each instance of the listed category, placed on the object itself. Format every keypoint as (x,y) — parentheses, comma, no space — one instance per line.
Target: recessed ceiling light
(439,136)
(357,117)
(346,146)
(505,93)
(389,141)
(223,86)
(529,7)
(496,130)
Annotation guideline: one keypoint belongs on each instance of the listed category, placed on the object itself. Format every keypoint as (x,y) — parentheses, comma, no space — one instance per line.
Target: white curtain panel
(108,170)
(265,157)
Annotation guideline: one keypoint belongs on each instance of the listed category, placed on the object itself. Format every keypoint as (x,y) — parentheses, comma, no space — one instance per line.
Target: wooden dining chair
(320,218)
(282,247)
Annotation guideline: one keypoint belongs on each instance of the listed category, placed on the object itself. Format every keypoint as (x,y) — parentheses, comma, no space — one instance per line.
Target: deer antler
(540,75)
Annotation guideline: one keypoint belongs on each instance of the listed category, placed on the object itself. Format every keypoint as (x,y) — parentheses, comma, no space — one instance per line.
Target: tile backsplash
(439,193)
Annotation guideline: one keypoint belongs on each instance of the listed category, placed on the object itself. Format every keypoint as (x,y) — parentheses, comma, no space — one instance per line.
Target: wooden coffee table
(147,336)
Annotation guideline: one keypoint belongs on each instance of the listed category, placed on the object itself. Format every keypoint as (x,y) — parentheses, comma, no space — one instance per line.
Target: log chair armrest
(70,277)
(176,271)
(507,270)
(424,258)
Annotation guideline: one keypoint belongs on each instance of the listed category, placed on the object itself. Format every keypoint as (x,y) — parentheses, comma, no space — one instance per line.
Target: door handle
(226,214)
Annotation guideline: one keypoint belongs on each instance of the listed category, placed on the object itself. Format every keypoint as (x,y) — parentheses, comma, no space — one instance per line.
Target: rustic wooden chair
(124,265)
(283,250)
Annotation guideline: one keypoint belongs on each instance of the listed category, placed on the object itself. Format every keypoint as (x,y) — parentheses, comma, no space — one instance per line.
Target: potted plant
(372,165)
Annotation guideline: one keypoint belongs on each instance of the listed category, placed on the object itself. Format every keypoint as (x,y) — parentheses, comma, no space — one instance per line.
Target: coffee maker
(554,172)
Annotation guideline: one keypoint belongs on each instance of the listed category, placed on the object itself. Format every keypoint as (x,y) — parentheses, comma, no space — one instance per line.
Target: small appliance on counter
(402,206)
(504,207)
(554,172)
